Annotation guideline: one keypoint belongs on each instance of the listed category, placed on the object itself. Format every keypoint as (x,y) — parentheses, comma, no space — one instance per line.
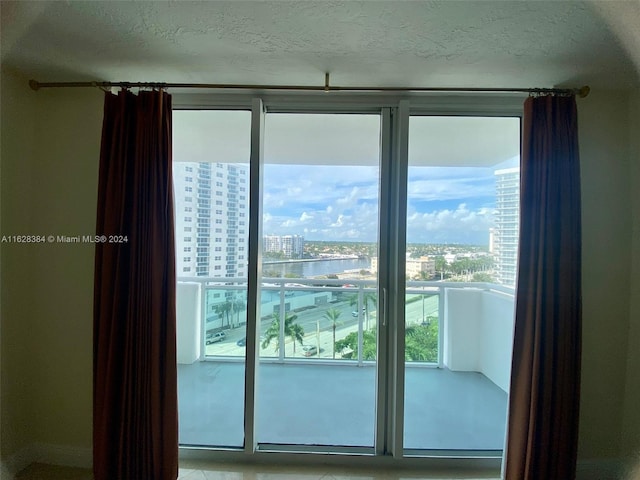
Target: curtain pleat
(545,380)
(135,419)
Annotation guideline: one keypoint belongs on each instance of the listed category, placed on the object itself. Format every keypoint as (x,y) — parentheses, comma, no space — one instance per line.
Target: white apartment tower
(211,208)
(507,224)
(291,246)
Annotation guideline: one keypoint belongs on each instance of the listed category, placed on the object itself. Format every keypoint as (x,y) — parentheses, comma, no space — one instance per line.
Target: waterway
(314,269)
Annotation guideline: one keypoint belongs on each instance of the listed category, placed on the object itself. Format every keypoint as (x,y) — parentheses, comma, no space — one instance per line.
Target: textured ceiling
(385,43)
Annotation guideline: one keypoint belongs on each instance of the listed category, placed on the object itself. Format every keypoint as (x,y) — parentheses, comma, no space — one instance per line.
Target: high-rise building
(291,246)
(211,208)
(271,244)
(507,224)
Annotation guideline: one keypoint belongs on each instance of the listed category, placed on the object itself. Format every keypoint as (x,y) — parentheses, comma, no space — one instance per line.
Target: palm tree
(223,310)
(296,332)
(366,298)
(237,306)
(332,315)
(291,329)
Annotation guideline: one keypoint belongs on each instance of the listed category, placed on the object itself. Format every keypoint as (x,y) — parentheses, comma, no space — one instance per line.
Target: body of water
(314,269)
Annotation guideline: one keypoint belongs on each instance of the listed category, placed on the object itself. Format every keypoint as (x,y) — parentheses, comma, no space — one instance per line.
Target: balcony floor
(321,404)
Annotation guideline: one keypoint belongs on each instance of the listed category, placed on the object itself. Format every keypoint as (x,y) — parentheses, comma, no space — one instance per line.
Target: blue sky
(321,170)
(446,205)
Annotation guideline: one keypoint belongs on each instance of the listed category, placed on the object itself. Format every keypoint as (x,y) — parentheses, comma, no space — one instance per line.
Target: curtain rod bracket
(34,84)
(326,82)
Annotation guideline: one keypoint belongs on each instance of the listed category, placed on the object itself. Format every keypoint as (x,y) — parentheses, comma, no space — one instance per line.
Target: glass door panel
(462,218)
(211,184)
(319,286)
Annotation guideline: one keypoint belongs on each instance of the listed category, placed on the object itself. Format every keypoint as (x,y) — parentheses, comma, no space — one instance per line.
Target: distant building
(417,267)
(291,246)
(271,244)
(507,224)
(414,266)
(450,257)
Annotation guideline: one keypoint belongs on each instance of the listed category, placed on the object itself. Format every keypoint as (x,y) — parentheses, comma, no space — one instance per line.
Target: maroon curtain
(135,419)
(545,378)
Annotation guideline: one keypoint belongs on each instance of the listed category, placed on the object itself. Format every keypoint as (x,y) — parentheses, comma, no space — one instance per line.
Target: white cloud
(450,226)
(342,203)
(339,221)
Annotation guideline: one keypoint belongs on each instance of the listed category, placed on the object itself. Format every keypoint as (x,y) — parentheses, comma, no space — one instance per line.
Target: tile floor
(39,471)
(320,404)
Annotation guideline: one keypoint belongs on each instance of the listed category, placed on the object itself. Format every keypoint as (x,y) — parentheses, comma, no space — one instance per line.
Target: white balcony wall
(478,335)
(188,320)
(462,327)
(496,337)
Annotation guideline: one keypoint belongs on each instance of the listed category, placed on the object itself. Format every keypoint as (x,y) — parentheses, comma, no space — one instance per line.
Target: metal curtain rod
(581,92)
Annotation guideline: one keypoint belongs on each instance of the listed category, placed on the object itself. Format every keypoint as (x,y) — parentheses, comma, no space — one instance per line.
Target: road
(415,313)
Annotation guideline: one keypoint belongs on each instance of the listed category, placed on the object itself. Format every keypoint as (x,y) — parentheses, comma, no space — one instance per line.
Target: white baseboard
(18,461)
(5,474)
(46,453)
(600,469)
(64,455)
(588,469)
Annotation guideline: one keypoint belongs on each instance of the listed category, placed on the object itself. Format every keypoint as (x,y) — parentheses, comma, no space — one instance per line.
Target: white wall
(606,226)
(496,338)
(478,333)
(462,326)
(188,322)
(18,114)
(50,152)
(631,419)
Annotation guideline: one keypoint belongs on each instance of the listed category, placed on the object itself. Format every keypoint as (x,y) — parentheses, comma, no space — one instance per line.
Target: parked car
(355,312)
(215,337)
(309,350)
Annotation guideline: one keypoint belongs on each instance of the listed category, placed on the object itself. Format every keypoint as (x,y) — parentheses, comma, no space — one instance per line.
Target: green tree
(350,342)
(271,274)
(482,277)
(237,305)
(332,315)
(291,329)
(223,310)
(441,266)
(421,342)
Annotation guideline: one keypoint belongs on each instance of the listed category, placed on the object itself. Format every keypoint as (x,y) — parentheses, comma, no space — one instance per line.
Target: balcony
(323,391)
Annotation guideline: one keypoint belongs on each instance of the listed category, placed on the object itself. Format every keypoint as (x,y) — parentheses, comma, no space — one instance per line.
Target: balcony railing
(459,326)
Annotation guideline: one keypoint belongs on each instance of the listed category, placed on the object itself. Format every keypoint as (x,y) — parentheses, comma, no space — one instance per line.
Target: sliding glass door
(211,184)
(383,259)
(459,304)
(318,316)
